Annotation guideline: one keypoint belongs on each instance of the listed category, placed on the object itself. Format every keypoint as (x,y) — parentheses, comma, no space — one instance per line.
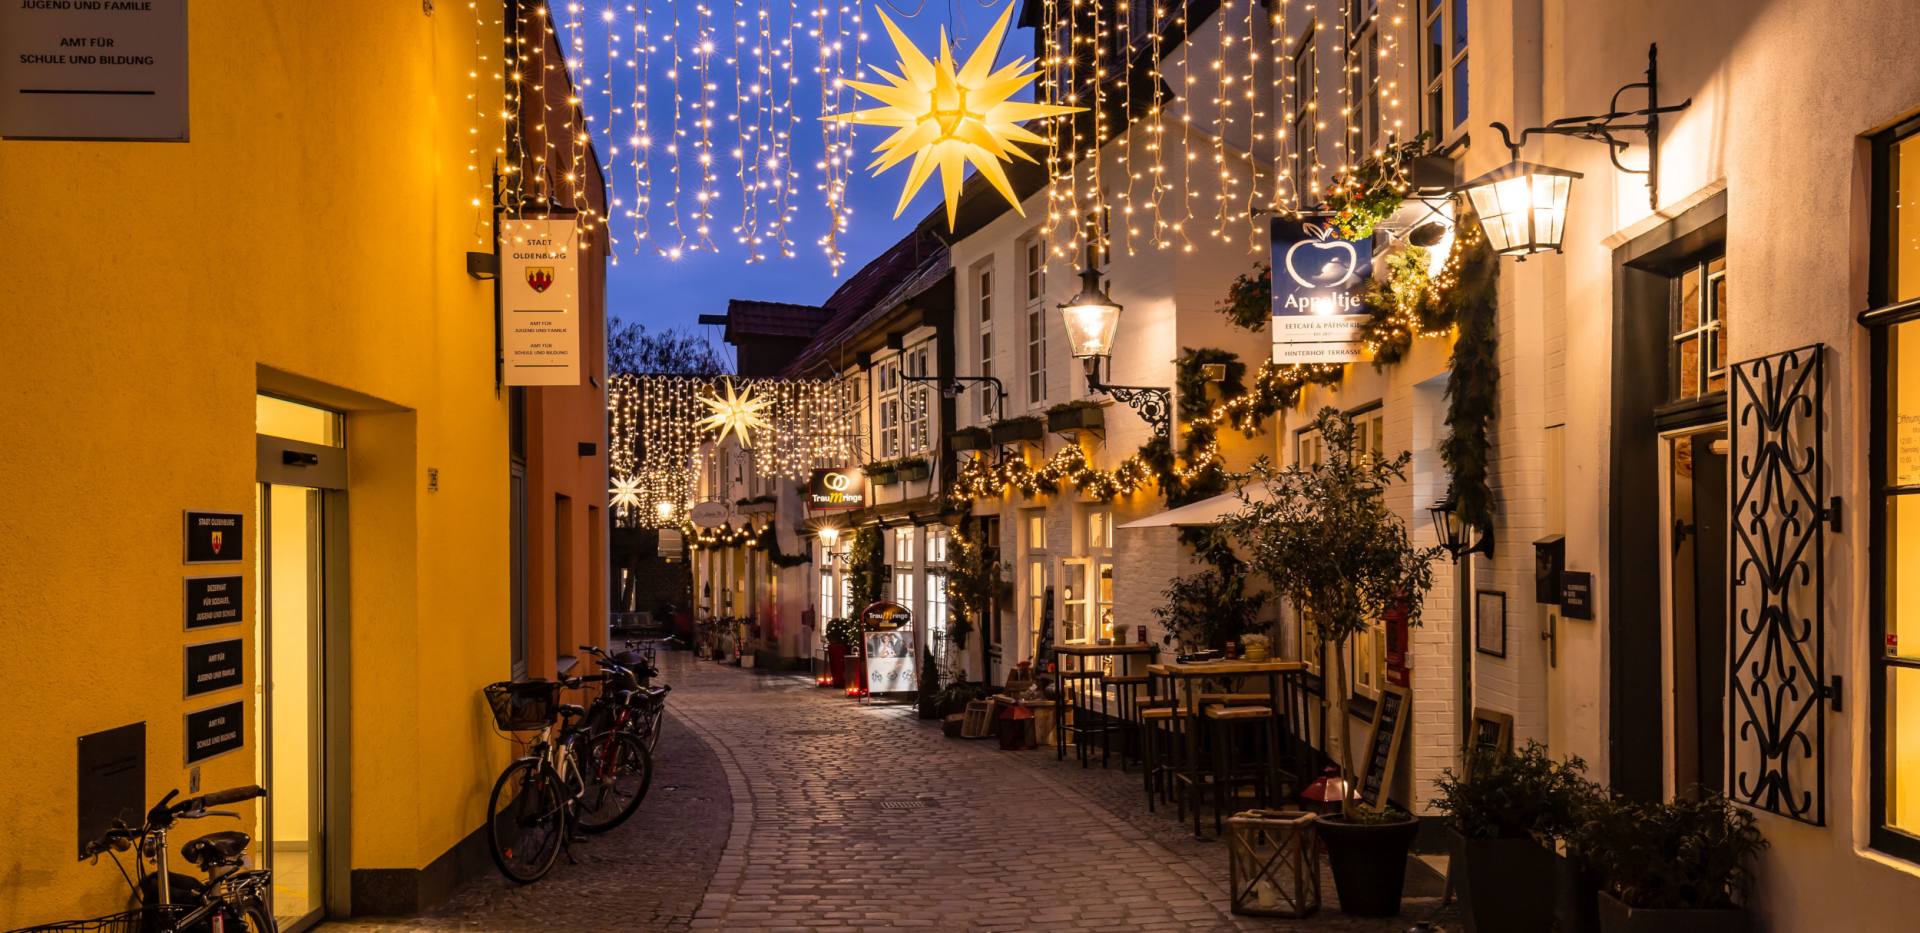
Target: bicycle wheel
(527,820)
(257,917)
(618,770)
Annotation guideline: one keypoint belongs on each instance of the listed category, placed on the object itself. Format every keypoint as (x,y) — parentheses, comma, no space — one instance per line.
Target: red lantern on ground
(1328,792)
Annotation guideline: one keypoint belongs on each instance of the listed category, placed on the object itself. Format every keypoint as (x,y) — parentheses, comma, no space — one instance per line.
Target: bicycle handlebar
(230,795)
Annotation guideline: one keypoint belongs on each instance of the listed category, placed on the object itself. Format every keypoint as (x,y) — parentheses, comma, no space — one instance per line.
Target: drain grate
(813,732)
(908,804)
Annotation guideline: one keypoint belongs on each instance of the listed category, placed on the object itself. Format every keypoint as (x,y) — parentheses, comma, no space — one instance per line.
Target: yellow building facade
(186,325)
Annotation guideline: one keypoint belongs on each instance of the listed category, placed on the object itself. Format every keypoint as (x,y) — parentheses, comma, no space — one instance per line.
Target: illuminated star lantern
(625,493)
(738,414)
(946,118)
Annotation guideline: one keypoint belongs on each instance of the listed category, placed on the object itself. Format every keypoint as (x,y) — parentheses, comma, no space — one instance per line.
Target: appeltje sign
(1317,280)
(828,490)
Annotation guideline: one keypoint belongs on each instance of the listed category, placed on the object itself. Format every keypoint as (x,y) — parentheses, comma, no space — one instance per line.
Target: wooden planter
(971,439)
(1076,418)
(884,477)
(913,471)
(1617,917)
(1024,429)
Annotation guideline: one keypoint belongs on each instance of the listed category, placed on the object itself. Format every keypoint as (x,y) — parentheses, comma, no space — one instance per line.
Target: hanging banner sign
(828,490)
(540,303)
(1317,280)
(93,69)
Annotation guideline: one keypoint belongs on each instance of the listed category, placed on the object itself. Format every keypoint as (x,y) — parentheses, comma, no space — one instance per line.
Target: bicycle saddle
(569,709)
(213,848)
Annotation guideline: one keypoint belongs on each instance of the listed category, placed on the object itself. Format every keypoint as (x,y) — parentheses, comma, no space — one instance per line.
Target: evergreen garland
(769,541)
(1472,300)
(867,564)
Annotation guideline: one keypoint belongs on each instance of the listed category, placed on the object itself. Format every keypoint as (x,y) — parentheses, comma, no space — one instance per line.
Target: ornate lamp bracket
(1154,404)
(1603,127)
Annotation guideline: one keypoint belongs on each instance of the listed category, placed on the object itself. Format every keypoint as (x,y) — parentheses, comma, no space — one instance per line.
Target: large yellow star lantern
(947,118)
(735,413)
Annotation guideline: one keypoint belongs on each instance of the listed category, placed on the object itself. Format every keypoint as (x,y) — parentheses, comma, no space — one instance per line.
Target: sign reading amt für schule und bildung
(1317,280)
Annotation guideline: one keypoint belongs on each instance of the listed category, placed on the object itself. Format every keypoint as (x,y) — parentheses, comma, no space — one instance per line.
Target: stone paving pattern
(799,809)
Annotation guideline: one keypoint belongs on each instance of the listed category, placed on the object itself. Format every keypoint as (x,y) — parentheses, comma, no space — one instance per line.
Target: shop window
(1895,593)
(827,610)
(903,587)
(902,547)
(937,546)
(1698,357)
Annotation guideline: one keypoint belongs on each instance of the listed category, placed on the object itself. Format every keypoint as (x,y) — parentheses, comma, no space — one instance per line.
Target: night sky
(663,293)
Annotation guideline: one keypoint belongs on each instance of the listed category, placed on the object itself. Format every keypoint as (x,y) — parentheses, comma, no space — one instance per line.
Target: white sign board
(93,69)
(539,302)
(890,661)
(1317,282)
(709,514)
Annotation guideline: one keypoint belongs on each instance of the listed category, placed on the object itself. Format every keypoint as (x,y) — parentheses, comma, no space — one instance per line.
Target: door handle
(1682,529)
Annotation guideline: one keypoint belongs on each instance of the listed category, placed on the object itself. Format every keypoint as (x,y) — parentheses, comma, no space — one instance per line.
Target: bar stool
(1155,773)
(1227,773)
(1075,690)
(1128,701)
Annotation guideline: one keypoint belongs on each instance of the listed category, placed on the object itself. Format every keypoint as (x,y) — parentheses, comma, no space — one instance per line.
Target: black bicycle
(565,782)
(642,705)
(232,898)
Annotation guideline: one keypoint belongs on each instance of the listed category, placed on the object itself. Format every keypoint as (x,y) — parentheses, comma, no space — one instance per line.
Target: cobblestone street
(780,806)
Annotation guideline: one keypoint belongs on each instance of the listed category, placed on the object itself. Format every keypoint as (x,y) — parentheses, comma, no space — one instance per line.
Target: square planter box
(916,471)
(1077,418)
(971,439)
(1617,917)
(1014,431)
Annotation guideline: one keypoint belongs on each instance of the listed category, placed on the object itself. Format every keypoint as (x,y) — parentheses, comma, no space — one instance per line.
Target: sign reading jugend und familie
(1317,280)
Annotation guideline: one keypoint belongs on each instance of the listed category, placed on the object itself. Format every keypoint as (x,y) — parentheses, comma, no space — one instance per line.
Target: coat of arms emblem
(540,278)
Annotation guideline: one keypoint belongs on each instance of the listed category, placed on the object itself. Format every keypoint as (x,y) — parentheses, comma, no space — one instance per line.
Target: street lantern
(829,535)
(1452,530)
(1091,319)
(1522,206)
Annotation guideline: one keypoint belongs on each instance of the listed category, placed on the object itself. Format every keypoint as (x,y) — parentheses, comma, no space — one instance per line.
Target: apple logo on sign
(1322,263)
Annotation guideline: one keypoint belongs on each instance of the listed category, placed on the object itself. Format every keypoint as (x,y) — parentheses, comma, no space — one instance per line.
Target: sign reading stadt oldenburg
(835,489)
(1317,280)
(540,302)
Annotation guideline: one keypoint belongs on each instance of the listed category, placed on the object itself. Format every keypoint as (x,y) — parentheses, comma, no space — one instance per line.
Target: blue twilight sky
(662,293)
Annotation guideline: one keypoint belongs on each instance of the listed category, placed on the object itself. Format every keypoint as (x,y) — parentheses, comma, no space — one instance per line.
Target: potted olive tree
(1679,867)
(1507,812)
(1326,538)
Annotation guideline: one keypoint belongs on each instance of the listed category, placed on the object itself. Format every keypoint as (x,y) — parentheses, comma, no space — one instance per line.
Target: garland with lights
(973,577)
(867,565)
(769,541)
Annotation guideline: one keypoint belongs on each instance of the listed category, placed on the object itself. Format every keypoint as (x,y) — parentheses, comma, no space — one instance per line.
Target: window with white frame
(918,399)
(937,545)
(1039,575)
(1034,260)
(937,592)
(983,314)
(1443,67)
(827,610)
(887,394)
(903,587)
(854,398)
(1363,78)
(902,547)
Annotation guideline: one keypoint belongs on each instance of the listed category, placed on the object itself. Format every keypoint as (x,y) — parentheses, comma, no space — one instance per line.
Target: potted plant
(1680,867)
(1014,430)
(911,468)
(840,633)
(883,472)
(1506,813)
(970,439)
(1077,415)
(1205,609)
(1327,540)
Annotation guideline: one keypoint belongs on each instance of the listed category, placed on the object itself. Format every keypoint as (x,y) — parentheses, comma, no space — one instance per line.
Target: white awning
(1204,512)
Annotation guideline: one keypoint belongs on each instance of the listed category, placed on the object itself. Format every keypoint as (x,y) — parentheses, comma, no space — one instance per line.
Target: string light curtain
(658,450)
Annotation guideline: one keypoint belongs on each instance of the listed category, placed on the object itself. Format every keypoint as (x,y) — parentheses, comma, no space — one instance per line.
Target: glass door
(1697,569)
(302,472)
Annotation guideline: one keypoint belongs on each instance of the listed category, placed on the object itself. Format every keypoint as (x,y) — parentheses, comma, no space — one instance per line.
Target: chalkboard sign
(1382,749)
(1492,732)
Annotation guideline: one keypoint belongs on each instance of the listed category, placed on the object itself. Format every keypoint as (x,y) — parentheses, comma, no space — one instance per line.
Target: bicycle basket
(142,920)
(523,706)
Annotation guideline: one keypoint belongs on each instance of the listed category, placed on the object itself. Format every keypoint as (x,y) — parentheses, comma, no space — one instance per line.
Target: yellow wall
(308,240)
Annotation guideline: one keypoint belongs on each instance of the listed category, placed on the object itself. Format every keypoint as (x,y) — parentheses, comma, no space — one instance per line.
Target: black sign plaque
(213,601)
(112,781)
(215,731)
(213,537)
(1576,594)
(215,665)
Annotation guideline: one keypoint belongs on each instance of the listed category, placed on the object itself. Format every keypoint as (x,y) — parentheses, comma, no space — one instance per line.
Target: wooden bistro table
(1123,654)
(1183,679)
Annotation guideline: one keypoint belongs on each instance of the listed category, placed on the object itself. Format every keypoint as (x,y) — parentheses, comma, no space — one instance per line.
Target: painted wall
(308,240)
